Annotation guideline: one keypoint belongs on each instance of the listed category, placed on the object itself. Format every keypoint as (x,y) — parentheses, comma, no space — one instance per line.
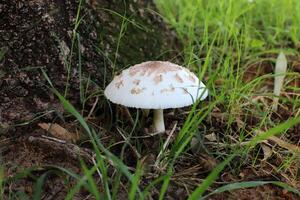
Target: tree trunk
(74,44)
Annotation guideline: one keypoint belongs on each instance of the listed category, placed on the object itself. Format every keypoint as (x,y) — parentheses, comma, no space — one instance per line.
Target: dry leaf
(211,137)
(59,132)
(267,151)
(207,161)
(239,123)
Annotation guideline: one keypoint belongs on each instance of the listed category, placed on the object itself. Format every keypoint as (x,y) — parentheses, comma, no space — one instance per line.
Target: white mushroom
(156,85)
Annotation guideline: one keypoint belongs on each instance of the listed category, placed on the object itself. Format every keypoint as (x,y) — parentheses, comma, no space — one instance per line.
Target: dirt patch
(35,155)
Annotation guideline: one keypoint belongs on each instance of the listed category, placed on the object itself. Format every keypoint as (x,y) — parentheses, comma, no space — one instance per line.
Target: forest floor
(106,151)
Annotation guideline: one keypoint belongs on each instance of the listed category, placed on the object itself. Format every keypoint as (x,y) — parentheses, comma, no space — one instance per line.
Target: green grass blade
(250,184)
(94,137)
(103,170)
(152,184)
(38,189)
(1,181)
(90,180)
(116,185)
(81,89)
(81,182)
(20,175)
(286,186)
(70,108)
(165,184)
(274,131)
(135,182)
(47,77)
(2,53)
(20,195)
(210,179)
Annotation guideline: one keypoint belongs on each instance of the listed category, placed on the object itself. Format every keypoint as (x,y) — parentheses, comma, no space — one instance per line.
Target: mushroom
(156,85)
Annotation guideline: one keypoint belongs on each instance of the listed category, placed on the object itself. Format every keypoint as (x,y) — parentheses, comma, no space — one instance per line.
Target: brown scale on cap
(119,81)
(158,78)
(190,75)
(178,78)
(136,82)
(153,67)
(171,89)
(119,84)
(137,90)
(192,78)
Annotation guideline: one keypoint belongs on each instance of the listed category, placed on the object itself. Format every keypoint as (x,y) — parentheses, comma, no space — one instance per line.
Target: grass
(222,41)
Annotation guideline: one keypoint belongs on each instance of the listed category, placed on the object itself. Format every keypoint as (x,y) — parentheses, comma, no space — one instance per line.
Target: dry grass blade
(137,154)
(158,159)
(284,144)
(267,151)
(291,147)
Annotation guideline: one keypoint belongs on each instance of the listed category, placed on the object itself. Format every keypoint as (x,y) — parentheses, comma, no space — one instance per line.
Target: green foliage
(39,186)
(221,40)
(210,179)
(249,184)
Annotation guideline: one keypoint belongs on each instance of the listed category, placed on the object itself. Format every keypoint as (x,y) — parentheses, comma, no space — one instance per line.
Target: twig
(148,135)
(92,109)
(165,145)
(138,155)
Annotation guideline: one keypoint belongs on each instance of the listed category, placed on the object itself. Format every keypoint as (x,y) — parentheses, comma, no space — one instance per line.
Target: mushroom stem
(158,120)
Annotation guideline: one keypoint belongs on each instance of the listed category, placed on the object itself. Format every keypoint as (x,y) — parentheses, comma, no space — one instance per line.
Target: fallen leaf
(211,137)
(60,132)
(208,162)
(267,151)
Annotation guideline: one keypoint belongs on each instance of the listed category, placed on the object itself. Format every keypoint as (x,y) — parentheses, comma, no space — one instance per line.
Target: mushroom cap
(155,85)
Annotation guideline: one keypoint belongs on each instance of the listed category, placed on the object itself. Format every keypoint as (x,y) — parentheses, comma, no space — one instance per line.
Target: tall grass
(221,40)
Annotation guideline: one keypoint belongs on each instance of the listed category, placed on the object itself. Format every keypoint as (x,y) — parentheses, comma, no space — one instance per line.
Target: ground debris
(69,149)
(60,132)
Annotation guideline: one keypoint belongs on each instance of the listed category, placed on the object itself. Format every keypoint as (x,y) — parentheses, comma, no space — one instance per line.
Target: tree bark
(74,46)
